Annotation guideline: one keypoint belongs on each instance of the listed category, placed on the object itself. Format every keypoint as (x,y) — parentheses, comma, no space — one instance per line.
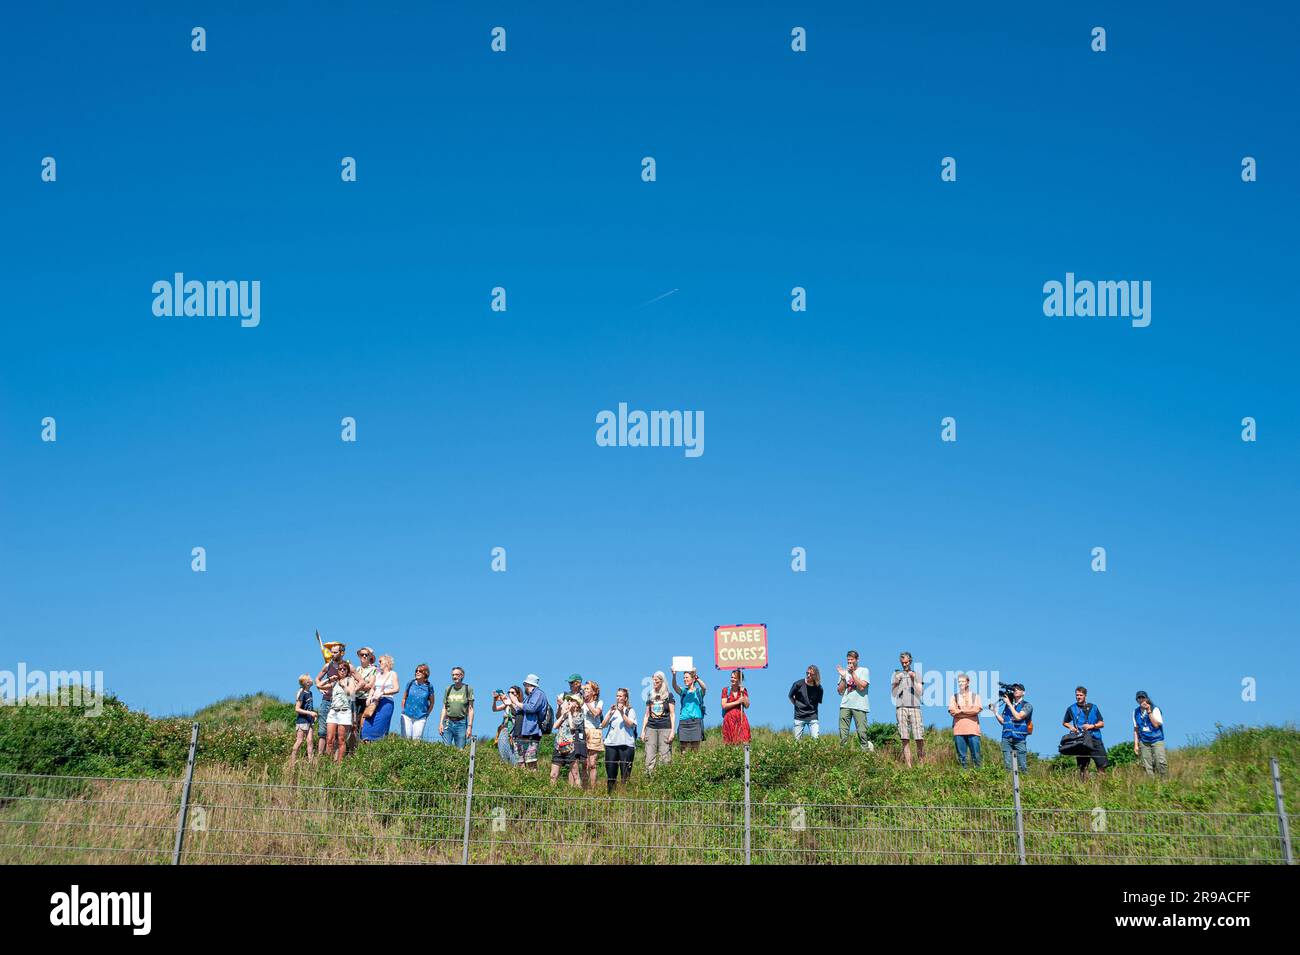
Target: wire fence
(94,820)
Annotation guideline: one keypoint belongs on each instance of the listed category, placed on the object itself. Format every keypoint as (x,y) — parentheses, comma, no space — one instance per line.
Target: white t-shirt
(1156,717)
(853,698)
(619,733)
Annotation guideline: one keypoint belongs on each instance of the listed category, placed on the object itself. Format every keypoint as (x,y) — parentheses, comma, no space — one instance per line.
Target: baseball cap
(575,677)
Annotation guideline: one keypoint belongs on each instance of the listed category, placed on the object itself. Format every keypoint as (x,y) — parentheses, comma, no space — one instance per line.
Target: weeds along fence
(93,820)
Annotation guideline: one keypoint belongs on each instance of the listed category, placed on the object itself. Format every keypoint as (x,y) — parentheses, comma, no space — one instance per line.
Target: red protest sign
(742,646)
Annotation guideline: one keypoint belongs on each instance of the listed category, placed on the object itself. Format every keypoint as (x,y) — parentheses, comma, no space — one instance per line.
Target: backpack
(546,720)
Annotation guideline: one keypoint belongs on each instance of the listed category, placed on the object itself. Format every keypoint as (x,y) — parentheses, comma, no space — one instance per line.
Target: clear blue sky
(476,429)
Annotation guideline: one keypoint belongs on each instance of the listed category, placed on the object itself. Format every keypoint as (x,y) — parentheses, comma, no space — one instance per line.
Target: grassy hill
(404,801)
(250,737)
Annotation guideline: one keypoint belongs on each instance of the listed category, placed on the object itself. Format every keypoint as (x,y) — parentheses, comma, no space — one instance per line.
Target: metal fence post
(469,800)
(1020,815)
(746,804)
(185,796)
(1283,827)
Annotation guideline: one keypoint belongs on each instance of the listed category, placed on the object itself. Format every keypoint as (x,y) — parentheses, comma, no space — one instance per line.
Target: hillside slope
(251,737)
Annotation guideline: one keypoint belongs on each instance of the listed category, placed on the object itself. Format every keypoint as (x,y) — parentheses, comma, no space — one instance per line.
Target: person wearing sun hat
(529,714)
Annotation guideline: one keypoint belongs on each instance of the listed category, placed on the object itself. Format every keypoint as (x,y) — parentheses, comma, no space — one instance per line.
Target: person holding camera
(1149,736)
(906,688)
(619,726)
(1085,717)
(1016,714)
(507,703)
(965,710)
(530,715)
(854,707)
(568,730)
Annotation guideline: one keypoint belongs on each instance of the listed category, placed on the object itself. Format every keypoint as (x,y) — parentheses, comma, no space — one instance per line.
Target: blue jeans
(806,727)
(453,733)
(971,745)
(1016,746)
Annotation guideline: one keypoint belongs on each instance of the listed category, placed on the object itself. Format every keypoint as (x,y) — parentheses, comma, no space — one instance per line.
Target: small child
(306,721)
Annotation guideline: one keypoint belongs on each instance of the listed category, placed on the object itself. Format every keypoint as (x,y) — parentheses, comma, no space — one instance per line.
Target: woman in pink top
(965,709)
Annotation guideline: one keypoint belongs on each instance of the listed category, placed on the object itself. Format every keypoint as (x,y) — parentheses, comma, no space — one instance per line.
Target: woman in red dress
(735,700)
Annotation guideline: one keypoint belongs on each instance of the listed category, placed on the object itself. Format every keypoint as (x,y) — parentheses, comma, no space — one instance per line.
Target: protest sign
(741,646)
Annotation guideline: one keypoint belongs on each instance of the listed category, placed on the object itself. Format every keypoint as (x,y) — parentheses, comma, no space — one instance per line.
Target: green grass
(400,800)
(1229,773)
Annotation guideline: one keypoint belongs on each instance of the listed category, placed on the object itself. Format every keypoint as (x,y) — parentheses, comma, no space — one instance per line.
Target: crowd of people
(357,702)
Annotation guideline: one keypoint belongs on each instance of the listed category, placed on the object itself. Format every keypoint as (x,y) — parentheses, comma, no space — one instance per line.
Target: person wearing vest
(456,722)
(1149,736)
(1015,713)
(1086,718)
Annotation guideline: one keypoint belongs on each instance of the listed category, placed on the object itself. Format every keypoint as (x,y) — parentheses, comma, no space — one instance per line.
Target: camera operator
(1016,714)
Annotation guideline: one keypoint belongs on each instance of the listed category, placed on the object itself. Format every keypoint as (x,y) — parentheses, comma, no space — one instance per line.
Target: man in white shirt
(854,707)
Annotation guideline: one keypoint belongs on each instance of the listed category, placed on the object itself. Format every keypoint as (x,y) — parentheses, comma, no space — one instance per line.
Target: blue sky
(476,429)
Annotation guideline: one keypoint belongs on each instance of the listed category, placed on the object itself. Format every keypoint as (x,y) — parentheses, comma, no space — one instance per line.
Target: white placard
(683,664)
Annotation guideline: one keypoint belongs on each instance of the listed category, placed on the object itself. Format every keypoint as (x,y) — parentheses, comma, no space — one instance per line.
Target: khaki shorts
(909,722)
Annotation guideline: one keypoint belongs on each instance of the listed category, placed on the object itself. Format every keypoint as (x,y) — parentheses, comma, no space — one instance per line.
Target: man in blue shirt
(1086,718)
(1014,712)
